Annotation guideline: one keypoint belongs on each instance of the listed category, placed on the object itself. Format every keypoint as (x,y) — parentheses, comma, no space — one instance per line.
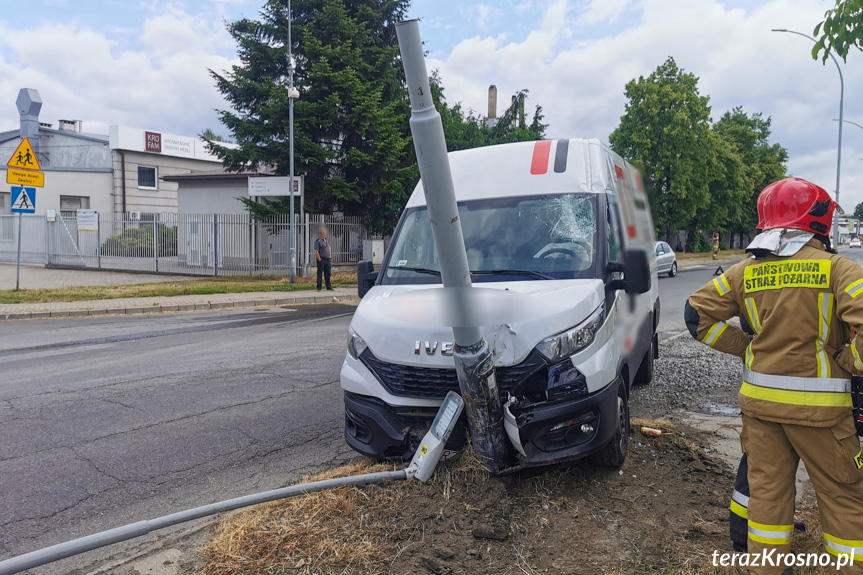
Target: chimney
(70,125)
(29,105)
(492,101)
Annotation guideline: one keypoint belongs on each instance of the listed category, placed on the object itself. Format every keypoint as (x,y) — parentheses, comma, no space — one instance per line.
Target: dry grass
(344,530)
(214,285)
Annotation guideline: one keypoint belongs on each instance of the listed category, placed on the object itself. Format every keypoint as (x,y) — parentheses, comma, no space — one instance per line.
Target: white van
(559,241)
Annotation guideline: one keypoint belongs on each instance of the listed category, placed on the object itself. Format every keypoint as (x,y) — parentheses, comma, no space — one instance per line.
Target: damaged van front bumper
(561,430)
(549,422)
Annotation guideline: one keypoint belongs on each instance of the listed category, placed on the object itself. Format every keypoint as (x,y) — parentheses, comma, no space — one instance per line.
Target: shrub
(138,242)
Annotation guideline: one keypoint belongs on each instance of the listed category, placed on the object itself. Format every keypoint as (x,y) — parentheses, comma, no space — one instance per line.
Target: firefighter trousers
(833,460)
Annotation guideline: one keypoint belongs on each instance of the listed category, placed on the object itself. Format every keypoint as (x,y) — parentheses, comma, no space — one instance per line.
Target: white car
(855,243)
(560,246)
(666,259)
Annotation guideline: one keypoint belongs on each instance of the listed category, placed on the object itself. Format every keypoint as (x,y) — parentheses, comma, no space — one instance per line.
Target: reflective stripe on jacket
(797,307)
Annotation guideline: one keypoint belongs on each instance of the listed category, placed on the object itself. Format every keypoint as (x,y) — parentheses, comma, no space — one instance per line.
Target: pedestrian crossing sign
(23,200)
(24,157)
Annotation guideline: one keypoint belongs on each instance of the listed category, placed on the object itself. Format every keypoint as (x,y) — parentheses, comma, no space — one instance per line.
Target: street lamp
(293,94)
(841,122)
(849,122)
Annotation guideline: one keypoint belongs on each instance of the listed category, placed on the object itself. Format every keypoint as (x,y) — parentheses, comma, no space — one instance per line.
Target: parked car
(559,241)
(855,243)
(666,259)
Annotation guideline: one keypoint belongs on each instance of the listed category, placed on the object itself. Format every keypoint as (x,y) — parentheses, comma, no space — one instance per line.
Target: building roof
(15,134)
(219,175)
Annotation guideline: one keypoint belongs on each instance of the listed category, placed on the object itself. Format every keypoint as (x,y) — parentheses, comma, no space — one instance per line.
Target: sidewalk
(129,306)
(37,276)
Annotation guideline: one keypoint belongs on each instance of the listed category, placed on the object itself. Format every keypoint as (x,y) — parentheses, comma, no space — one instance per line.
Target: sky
(144,63)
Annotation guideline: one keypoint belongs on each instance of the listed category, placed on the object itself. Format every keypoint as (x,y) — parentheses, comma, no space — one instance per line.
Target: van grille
(433,383)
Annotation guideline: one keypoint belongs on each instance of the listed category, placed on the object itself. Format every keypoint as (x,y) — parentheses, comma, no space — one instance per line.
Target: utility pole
(841,121)
(293,94)
(473,360)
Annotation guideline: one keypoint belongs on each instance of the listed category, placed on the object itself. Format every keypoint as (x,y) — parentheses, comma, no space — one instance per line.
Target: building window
(69,205)
(146,177)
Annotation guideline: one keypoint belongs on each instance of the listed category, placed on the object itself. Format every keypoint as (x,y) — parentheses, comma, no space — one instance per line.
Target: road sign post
(23,169)
(23,202)
(18,258)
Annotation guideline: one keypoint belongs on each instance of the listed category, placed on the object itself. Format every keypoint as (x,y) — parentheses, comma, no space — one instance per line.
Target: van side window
(615,231)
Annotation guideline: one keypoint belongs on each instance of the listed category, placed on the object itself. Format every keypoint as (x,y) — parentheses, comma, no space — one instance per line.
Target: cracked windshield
(553,236)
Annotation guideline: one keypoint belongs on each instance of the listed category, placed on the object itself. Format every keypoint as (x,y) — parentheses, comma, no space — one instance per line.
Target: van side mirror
(366,276)
(636,272)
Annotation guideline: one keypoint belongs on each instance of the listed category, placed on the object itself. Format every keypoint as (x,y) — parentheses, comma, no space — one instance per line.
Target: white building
(119,172)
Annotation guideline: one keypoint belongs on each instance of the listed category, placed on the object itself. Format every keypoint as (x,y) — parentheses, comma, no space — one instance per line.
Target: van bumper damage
(544,424)
(554,431)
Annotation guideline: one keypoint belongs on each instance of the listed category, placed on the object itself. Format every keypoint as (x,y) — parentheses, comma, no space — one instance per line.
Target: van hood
(513,318)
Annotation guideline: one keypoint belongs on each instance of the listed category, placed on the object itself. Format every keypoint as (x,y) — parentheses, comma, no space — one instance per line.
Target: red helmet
(795,203)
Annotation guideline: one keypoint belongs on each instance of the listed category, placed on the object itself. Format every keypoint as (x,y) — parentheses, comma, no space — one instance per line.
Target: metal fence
(198,244)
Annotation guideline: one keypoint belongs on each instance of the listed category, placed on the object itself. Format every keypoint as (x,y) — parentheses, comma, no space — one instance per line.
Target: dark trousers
(325,270)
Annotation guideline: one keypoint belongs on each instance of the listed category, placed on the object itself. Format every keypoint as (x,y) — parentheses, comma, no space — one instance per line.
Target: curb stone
(176,308)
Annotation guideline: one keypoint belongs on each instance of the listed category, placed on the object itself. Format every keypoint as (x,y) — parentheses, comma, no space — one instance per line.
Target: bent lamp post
(473,359)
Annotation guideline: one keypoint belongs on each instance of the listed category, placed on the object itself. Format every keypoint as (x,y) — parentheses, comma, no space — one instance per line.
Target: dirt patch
(665,510)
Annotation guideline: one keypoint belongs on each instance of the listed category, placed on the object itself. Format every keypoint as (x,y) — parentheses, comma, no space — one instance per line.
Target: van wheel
(614,452)
(644,375)
(673,271)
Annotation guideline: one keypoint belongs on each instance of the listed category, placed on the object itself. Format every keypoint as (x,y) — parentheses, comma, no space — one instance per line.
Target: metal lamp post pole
(841,122)
(291,97)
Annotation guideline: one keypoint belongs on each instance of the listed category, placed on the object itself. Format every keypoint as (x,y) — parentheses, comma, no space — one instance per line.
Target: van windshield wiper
(417,270)
(532,273)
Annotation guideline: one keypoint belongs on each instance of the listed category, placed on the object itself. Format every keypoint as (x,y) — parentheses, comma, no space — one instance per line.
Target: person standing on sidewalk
(324,256)
(801,300)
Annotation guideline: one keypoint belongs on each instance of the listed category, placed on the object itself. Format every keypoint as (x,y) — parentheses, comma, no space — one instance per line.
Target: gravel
(690,376)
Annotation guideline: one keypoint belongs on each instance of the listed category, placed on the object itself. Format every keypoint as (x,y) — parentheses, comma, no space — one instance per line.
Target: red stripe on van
(541,153)
(619,171)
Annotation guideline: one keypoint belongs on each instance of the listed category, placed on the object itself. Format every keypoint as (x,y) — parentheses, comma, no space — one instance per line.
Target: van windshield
(517,238)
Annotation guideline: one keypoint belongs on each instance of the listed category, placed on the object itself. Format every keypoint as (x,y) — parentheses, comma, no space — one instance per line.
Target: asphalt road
(107,421)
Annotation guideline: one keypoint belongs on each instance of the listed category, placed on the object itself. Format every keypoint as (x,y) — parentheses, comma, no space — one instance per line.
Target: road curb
(169,308)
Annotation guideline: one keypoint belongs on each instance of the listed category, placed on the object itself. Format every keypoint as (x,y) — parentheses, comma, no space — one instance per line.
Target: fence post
(47,240)
(249,216)
(98,241)
(215,244)
(156,242)
(307,248)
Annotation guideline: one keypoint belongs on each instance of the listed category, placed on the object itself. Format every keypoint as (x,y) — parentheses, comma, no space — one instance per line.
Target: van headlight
(356,344)
(567,343)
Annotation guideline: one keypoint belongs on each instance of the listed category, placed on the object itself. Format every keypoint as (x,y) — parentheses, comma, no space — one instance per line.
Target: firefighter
(715,245)
(800,298)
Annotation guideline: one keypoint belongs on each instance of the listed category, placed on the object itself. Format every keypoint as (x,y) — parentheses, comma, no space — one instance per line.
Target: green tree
(665,131)
(858,211)
(211,136)
(763,163)
(351,130)
(841,30)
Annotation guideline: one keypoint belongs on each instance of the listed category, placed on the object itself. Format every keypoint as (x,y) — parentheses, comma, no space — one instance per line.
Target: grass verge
(707,255)
(214,285)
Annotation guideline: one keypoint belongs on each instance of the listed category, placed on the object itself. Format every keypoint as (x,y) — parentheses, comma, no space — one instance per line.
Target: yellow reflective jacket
(796,307)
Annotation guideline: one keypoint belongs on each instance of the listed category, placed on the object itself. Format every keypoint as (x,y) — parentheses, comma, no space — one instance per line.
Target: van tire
(644,375)
(613,453)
